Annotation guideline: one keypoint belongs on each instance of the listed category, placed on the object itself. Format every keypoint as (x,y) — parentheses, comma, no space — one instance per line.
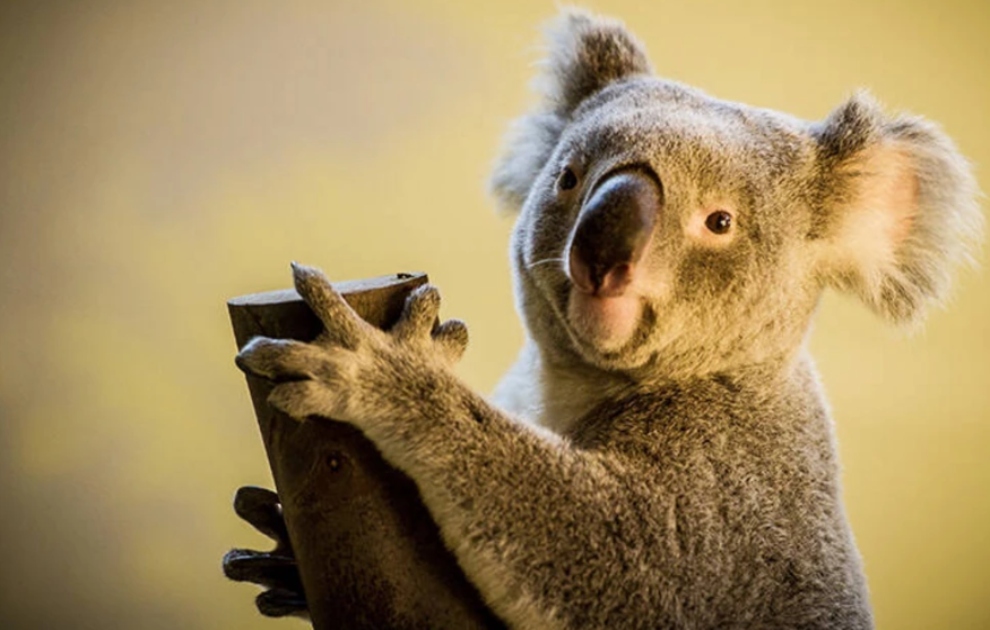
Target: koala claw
(419,315)
(280,602)
(452,339)
(348,369)
(266,568)
(282,359)
(343,327)
(262,508)
(275,570)
(419,325)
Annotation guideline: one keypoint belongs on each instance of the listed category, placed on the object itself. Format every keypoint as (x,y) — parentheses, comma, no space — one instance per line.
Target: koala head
(664,230)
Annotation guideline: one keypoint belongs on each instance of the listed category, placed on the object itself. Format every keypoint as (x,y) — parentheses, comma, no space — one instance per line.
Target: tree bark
(369,554)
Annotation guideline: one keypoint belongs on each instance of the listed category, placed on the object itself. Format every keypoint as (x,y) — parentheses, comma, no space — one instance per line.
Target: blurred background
(157,158)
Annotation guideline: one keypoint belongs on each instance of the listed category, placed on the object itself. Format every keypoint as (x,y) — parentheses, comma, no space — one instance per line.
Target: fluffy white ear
(896,207)
(585,53)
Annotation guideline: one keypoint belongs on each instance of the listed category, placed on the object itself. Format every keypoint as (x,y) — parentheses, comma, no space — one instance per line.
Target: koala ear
(585,54)
(897,206)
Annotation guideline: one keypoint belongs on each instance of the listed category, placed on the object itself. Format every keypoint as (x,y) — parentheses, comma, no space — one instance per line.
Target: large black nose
(612,231)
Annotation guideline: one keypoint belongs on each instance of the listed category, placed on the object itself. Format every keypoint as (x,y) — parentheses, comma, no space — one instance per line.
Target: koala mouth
(607,322)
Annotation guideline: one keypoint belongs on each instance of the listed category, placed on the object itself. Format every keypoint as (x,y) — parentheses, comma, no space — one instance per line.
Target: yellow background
(157,158)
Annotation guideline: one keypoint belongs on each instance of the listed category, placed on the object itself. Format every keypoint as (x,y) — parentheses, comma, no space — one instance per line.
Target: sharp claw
(342,325)
(250,497)
(453,331)
(251,358)
(281,360)
(259,567)
(279,602)
(234,562)
(452,337)
(231,558)
(242,561)
(242,364)
(261,508)
(303,274)
(419,316)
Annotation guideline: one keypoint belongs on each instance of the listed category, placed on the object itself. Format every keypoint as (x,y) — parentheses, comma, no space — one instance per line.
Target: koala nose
(613,229)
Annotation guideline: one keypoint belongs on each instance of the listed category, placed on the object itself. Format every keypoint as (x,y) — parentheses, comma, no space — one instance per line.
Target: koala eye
(567,180)
(719,222)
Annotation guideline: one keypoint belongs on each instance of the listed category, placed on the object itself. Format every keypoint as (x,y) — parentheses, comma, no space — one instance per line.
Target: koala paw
(352,371)
(275,570)
(418,327)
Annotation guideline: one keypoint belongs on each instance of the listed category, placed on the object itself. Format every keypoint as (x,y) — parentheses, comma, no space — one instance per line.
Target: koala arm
(511,501)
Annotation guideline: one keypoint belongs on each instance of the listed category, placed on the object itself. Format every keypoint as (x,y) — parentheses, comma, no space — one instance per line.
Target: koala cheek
(608,323)
(702,273)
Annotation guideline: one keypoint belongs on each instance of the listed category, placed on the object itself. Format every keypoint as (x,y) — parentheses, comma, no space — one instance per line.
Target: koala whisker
(544,261)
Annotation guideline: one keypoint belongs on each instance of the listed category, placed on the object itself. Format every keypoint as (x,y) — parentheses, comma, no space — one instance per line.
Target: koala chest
(739,514)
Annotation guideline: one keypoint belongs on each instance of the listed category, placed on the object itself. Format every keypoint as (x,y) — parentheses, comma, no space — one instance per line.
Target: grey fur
(681,473)
(585,54)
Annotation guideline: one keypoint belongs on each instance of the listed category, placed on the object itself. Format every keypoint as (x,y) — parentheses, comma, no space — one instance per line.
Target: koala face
(665,231)
(670,215)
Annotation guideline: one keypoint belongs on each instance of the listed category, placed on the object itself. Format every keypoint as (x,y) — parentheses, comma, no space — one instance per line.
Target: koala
(661,454)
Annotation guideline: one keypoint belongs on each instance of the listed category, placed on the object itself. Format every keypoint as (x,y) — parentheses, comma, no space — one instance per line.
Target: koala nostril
(568,180)
(613,229)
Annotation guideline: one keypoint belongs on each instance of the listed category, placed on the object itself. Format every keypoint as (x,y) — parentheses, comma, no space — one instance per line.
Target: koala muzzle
(613,229)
